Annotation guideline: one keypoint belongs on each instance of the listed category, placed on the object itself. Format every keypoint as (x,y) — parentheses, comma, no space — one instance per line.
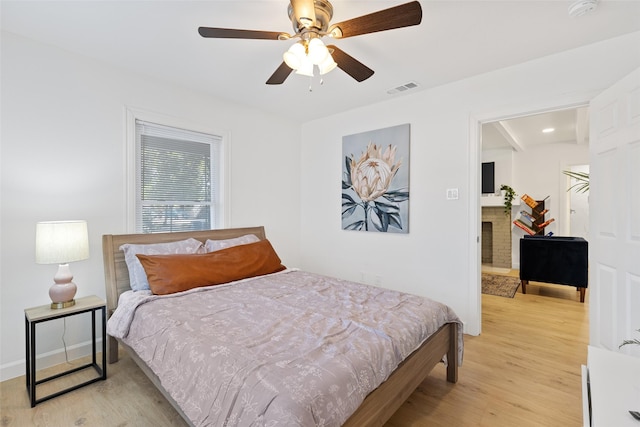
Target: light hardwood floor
(523,370)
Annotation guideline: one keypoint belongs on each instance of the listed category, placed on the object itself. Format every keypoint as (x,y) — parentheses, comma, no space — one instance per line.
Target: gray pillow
(137,276)
(216,245)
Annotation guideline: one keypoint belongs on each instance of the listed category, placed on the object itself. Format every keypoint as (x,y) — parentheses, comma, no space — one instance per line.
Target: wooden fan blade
(231,33)
(404,15)
(350,65)
(280,75)
(304,12)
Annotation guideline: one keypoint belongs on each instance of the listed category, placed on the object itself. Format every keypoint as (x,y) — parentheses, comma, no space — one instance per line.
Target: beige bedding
(287,349)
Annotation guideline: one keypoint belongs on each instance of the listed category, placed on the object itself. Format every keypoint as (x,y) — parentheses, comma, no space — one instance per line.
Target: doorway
(531,154)
(578,204)
(525,166)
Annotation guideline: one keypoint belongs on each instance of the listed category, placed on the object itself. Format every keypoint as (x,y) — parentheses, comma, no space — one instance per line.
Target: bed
(376,406)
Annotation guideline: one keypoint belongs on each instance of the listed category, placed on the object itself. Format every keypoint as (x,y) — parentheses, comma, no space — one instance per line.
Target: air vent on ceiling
(405,87)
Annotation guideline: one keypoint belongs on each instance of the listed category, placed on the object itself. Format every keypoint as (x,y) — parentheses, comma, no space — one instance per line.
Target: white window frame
(131,155)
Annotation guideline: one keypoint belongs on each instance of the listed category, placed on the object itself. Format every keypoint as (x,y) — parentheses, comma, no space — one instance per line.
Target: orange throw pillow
(168,274)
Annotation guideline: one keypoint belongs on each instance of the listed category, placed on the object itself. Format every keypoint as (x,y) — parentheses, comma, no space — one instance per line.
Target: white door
(578,207)
(614,200)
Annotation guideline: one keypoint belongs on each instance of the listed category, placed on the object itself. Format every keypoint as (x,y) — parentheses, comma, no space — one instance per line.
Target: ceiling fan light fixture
(306,67)
(327,65)
(294,56)
(318,52)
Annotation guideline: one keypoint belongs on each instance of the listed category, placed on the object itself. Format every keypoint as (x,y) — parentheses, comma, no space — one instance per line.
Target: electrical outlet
(452,194)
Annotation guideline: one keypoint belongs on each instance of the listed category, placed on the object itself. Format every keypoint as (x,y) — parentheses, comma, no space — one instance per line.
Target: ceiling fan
(310,20)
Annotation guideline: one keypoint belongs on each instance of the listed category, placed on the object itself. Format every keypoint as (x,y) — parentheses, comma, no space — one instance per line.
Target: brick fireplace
(496,237)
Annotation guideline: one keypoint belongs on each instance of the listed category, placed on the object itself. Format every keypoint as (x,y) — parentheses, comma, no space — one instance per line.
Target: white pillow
(216,245)
(137,276)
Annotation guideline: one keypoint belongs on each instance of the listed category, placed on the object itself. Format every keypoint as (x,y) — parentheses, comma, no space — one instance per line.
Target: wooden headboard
(116,274)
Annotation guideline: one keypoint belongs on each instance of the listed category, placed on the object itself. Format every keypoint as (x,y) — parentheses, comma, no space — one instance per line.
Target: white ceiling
(456,39)
(570,126)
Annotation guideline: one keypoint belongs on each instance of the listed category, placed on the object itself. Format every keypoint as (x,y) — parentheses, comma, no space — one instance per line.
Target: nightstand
(610,388)
(34,316)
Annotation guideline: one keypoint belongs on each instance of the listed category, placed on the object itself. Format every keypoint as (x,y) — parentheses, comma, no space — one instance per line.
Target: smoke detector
(582,7)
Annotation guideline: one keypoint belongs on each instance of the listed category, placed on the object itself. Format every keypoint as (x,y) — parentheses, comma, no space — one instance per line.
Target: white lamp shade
(306,67)
(61,242)
(294,56)
(327,65)
(318,52)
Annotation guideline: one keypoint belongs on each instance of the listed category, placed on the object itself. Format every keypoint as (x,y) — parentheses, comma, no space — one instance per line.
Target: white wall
(439,256)
(63,158)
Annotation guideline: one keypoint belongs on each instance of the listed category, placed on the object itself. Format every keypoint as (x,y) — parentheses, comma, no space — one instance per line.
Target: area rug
(502,286)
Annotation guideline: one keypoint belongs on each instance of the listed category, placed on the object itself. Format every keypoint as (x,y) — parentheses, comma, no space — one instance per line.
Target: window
(178,179)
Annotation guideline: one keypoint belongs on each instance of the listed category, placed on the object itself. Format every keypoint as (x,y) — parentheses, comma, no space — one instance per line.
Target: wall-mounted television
(488,178)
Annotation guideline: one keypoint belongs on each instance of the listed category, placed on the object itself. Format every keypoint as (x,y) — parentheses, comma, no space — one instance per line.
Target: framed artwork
(375,180)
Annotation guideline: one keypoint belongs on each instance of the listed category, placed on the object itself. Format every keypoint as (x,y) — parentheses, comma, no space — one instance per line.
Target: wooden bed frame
(378,406)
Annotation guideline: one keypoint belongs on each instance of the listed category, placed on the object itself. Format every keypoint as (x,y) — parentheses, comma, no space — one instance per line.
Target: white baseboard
(16,369)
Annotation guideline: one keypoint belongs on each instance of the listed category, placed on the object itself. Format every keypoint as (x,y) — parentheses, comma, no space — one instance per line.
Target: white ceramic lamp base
(63,290)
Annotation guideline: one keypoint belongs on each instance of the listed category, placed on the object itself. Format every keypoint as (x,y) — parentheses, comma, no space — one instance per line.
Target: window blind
(177,184)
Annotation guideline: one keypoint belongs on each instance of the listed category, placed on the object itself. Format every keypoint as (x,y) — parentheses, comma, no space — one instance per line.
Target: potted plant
(509,194)
(628,342)
(582,181)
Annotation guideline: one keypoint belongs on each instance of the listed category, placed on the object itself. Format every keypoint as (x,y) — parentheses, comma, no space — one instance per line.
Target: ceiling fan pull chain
(311,84)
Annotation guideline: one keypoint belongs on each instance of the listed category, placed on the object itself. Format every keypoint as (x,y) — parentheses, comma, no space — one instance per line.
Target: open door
(614,225)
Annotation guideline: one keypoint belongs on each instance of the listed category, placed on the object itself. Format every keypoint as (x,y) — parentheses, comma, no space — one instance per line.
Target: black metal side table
(44,313)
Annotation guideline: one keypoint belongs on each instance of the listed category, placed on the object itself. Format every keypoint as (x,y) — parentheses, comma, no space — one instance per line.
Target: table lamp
(62,242)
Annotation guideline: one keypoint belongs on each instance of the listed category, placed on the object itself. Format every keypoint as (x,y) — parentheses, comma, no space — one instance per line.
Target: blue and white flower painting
(375,180)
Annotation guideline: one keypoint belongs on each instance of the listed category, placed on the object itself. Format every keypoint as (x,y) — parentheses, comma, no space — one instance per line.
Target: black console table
(555,259)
